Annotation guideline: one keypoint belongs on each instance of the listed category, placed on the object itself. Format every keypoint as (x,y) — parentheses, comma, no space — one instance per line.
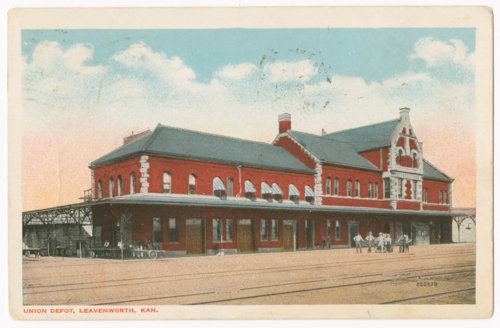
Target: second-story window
(99,189)
(336,186)
(425,195)
(400,188)
(375,190)
(249,190)
(414,189)
(111,187)
(230,187)
(120,185)
(357,188)
(414,161)
(277,193)
(369,190)
(387,188)
(192,184)
(218,187)
(328,186)
(309,194)
(132,183)
(266,191)
(293,193)
(349,188)
(167,183)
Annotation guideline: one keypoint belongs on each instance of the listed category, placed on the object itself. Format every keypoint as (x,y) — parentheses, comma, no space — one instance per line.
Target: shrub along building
(188,192)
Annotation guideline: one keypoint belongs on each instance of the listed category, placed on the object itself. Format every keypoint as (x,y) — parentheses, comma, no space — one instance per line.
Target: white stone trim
(144,170)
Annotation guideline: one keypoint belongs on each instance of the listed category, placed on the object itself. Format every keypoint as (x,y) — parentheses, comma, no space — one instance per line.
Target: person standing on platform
(370,239)
(381,241)
(358,239)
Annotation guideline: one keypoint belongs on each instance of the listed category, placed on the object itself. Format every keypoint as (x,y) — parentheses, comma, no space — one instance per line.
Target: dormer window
(218,187)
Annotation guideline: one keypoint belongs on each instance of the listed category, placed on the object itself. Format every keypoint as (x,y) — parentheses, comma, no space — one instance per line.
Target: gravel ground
(436,274)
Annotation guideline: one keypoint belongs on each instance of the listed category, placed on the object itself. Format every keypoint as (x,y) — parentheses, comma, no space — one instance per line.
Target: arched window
(99,189)
(369,190)
(132,183)
(400,156)
(249,190)
(230,187)
(266,191)
(414,161)
(218,187)
(111,187)
(357,188)
(293,193)
(328,186)
(167,183)
(309,194)
(349,188)
(277,193)
(120,185)
(336,187)
(191,184)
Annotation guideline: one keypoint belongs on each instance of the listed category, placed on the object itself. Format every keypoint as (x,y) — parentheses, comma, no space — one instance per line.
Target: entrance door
(289,235)
(421,234)
(245,236)
(195,243)
(353,228)
(309,225)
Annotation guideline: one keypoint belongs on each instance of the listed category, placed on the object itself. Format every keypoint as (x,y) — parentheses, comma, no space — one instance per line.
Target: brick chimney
(285,122)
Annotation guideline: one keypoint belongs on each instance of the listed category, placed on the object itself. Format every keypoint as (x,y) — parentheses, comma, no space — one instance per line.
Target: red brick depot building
(188,192)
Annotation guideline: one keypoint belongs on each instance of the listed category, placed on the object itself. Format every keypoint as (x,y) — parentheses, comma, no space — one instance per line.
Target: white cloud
(301,70)
(236,72)
(435,52)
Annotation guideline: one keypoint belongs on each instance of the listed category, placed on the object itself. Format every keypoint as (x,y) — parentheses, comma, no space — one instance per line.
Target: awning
(265,189)
(293,191)
(309,192)
(277,189)
(218,184)
(249,186)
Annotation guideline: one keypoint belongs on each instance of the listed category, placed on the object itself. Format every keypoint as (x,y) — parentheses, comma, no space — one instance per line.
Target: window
(309,194)
(277,193)
(266,191)
(414,189)
(230,186)
(191,184)
(229,229)
(132,183)
(375,190)
(440,197)
(328,186)
(157,233)
(264,229)
(400,188)
(274,230)
(369,193)
(445,197)
(249,190)
(337,230)
(414,161)
(167,183)
(328,230)
(99,189)
(111,187)
(349,188)
(336,186)
(425,195)
(293,193)
(400,156)
(120,185)
(387,187)
(218,187)
(173,233)
(357,189)
(216,230)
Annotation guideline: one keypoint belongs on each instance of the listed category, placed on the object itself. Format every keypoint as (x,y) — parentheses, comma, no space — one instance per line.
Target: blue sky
(374,54)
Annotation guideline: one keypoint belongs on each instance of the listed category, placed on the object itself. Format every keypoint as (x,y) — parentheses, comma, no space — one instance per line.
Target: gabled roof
(431,172)
(187,144)
(366,137)
(332,151)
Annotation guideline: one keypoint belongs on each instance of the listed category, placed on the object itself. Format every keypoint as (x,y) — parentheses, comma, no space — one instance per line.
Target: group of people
(382,243)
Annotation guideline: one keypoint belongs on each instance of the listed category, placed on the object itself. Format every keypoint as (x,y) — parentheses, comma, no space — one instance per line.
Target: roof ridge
(216,135)
(359,127)
(327,139)
(152,137)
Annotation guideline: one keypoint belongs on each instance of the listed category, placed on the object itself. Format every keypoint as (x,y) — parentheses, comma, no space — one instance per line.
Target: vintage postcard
(250,163)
